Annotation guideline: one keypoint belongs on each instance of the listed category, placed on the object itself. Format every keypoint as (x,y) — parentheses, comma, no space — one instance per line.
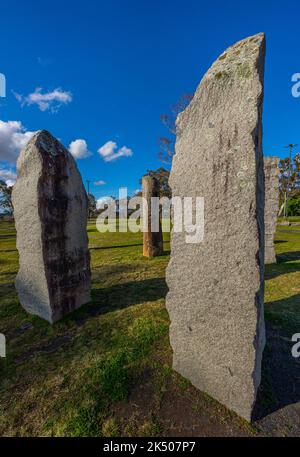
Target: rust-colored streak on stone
(152,241)
(51,215)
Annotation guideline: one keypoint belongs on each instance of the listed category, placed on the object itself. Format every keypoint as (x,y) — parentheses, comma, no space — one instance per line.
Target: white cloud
(9,176)
(99,183)
(109,151)
(79,149)
(13,138)
(46,100)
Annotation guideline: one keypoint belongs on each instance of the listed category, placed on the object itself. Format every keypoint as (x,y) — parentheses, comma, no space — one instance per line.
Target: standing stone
(271,206)
(215,298)
(50,208)
(152,235)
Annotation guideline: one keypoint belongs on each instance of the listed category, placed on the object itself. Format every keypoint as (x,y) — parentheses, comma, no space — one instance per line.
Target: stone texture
(215,298)
(271,205)
(152,240)
(50,208)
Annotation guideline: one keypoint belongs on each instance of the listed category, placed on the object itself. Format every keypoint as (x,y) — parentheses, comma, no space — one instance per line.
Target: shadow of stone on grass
(48,348)
(280,385)
(126,294)
(283,266)
(95,248)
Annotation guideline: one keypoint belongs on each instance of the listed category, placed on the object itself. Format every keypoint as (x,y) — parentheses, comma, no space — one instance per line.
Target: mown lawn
(106,370)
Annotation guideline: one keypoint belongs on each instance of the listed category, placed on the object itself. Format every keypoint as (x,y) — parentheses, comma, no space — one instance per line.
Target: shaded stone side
(152,241)
(50,208)
(216,288)
(271,206)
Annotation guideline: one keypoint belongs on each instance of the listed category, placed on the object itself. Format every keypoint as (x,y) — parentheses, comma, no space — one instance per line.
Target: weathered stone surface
(215,298)
(271,206)
(152,240)
(50,208)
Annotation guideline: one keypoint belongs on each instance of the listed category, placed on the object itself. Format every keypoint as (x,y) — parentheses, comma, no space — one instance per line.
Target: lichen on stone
(244,70)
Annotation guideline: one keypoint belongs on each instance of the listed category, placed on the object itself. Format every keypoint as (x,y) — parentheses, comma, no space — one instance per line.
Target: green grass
(282,286)
(105,370)
(290,218)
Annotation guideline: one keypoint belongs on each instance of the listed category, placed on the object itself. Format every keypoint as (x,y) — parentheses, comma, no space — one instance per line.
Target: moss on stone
(244,70)
(220,74)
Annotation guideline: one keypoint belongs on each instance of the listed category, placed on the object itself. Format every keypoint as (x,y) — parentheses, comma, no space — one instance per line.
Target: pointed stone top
(238,58)
(241,63)
(42,134)
(45,141)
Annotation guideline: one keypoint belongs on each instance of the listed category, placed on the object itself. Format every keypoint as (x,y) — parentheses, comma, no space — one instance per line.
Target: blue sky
(125,62)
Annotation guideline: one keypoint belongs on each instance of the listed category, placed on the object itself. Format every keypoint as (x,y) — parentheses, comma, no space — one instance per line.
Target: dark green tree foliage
(162,176)
(92,205)
(294,206)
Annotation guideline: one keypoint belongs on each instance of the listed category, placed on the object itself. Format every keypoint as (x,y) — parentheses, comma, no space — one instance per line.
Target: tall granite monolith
(50,209)
(271,206)
(215,298)
(152,233)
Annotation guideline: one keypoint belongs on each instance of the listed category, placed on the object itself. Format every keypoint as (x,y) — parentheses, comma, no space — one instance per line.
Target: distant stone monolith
(50,209)
(215,298)
(271,206)
(152,235)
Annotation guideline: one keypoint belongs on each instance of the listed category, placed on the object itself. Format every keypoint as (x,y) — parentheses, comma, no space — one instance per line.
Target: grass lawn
(105,370)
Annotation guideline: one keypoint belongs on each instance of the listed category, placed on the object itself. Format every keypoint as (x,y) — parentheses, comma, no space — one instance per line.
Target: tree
(166,144)
(92,205)
(294,171)
(5,198)
(294,206)
(162,176)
